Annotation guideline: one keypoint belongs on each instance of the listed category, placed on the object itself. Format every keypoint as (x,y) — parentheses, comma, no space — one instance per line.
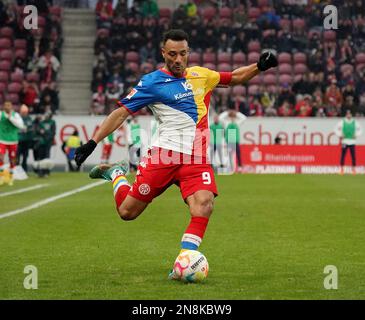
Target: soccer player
(10,124)
(179,98)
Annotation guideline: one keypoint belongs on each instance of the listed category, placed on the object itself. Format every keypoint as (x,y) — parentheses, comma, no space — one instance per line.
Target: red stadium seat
(41,22)
(5,43)
(285,24)
(132,56)
(20,44)
(329,35)
(4,76)
(300,68)
(224,57)
(285,78)
(254,13)
(263,3)
(165,13)
(5,66)
(209,57)
(253,57)
(209,13)
(225,13)
(32,77)
(239,90)
(6,32)
(269,79)
(239,58)
(284,57)
(346,67)
(360,67)
(133,66)
(21,53)
(297,77)
(360,58)
(103,32)
(254,46)
(224,67)
(298,23)
(311,33)
(55,10)
(285,68)
(210,66)
(299,57)
(256,80)
(3,86)
(13,98)
(194,57)
(272,88)
(162,21)
(6,54)
(17,77)
(14,87)
(253,89)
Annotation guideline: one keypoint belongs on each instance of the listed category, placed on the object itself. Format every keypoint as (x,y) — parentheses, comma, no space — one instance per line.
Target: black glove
(267,60)
(84,151)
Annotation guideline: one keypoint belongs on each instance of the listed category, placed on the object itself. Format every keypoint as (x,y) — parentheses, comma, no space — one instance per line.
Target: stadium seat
(329,35)
(300,68)
(254,13)
(3,87)
(4,76)
(41,22)
(209,13)
(225,13)
(239,90)
(299,57)
(254,46)
(255,80)
(224,67)
(194,57)
(12,97)
(285,24)
(209,57)
(20,44)
(5,43)
(284,57)
(239,58)
(272,88)
(346,67)
(311,33)
(224,57)
(298,23)
(210,66)
(165,13)
(263,3)
(21,53)
(253,89)
(14,87)
(360,58)
(55,10)
(269,79)
(285,78)
(133,66)
(162,21)
(360,67)
(6,32)
(6,54)
(132,56)
(285,68)
(32,77)
(297,77)
(253,57)
(103,32)
(5,66)
(17,77)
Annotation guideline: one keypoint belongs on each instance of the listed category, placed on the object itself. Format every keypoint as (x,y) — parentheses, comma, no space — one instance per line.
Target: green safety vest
(217,133)
(8,132)
(348,129)
(232,133)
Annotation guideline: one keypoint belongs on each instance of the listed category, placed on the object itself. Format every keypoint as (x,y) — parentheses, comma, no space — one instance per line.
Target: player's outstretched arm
(109,125)
(241,75)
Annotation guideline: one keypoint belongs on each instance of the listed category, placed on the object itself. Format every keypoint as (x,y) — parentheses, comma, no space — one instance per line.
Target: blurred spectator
(25,138)
(48,66)
(240,43)
(98,103)
(30,95)
(104,13)
(303,107)
(69,147)
(285,109)
(150,9)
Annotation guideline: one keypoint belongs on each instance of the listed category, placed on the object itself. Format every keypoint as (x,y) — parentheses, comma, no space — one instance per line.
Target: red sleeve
(225,78)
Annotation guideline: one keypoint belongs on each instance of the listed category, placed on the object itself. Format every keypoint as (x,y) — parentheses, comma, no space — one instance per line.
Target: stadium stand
(313,61)
(30,59)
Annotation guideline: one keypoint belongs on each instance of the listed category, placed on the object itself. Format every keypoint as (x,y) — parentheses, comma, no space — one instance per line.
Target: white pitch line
(38,186)
(51,199)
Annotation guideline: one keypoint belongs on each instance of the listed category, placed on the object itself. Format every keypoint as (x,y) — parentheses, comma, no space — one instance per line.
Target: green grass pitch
(270,237)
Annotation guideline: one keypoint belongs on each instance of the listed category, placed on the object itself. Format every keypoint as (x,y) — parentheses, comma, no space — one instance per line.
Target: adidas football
(191,266)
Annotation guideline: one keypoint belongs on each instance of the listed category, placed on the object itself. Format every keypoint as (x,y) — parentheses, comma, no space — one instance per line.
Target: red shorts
(154,177)
(11,148)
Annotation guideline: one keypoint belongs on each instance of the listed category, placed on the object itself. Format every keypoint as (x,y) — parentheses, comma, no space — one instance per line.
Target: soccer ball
(191,266)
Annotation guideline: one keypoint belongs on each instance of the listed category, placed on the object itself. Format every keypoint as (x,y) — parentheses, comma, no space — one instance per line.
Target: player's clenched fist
(84,151)
(267,60)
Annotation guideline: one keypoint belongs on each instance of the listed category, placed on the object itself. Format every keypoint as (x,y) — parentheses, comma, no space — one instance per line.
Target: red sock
(194,233)
(121,188)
